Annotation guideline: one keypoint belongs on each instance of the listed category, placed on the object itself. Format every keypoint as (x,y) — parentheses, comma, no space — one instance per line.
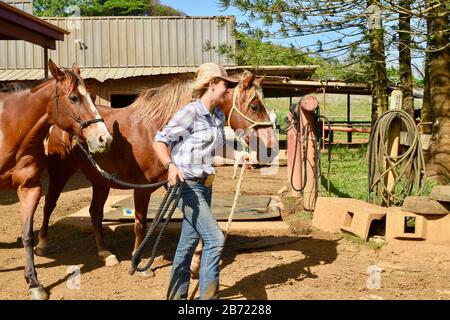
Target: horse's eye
(254,107)
(73,99)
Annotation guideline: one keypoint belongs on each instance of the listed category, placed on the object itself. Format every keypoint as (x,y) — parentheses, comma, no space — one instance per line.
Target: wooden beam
(28,21)
(20,33)
(349,133)
(45,63)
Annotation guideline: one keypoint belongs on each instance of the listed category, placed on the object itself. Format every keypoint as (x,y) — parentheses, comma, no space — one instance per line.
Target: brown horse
(26,114)
(131,156)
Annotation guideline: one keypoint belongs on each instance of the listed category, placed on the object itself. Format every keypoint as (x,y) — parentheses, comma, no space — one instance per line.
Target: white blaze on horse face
(85,94)
(99,139)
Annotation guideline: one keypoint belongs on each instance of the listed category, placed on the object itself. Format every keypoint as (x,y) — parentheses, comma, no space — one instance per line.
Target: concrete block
(430,228)
(359,221)
(334,214)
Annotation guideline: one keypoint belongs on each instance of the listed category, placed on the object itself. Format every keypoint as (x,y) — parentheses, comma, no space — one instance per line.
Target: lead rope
(172,196)
(230,219)
(108,176)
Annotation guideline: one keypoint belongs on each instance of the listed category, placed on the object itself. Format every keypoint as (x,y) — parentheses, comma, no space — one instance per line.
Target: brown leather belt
(206,181)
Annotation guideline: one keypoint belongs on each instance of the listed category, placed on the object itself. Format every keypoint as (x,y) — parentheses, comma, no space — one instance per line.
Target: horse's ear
(76,69)
(55,71)
(259,81)
(246,83)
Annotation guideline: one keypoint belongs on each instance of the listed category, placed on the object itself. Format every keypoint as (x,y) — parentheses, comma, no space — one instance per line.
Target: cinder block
(334,214)
(431,228)
(359,221)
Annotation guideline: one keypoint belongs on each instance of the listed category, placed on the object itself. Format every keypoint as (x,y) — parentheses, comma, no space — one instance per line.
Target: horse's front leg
(59,172)
(141,200)
(99,196)
(29,198)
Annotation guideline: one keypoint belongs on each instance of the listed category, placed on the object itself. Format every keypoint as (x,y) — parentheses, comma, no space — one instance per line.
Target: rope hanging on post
(407,168)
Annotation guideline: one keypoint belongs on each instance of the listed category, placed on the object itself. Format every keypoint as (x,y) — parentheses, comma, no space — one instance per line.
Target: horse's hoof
(42,252)
(108,258)
(149,273)
(37,294)
(111,261)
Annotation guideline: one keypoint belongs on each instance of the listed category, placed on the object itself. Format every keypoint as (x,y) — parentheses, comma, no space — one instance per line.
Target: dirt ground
(317,266)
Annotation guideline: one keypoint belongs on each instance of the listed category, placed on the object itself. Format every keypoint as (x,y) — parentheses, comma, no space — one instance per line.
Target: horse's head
(248,115)
(73,110)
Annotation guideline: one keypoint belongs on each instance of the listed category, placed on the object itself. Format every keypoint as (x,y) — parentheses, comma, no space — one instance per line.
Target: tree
(426,115)
(404,49)
(346,19)
(439,77)
(53,8)
(56,8)
(377,56)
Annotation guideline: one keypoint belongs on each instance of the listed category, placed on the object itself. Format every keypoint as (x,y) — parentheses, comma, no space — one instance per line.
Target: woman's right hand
(174,172)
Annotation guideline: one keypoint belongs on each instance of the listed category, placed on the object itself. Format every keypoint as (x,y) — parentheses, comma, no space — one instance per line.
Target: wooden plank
(425,205)
(441,193)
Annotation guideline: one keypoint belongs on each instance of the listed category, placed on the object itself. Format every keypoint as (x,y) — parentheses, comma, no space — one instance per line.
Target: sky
(211,8)
(200,8)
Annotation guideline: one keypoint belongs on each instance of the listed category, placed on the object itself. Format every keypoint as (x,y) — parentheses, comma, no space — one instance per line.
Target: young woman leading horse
(26,114)
(131,156)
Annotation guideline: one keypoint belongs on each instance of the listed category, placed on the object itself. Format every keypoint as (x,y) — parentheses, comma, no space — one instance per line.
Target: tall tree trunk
(404,50)
(426,114)
(377,56)
(439,166)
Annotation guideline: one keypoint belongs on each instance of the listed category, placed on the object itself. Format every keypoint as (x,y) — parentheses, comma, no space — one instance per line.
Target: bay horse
(131,156)
(26,114)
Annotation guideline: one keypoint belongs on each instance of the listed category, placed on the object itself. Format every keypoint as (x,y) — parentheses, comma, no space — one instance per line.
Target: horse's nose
(104,140)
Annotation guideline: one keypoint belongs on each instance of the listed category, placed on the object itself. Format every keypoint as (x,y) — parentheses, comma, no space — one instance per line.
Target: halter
(83,124)
(254,123)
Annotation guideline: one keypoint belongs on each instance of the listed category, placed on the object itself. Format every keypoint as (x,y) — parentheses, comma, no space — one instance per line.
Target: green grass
(335,108)
(348,172)
(360,242)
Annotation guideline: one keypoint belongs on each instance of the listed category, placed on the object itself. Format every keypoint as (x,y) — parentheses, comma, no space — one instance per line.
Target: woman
(186,146)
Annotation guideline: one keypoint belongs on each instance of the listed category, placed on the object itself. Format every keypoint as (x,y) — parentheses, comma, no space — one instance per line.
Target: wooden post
(45,63)
(324,108)
(393,140)
(349,134)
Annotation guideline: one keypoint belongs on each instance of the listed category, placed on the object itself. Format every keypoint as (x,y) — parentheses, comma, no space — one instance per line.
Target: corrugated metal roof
(117,47)
(101,74)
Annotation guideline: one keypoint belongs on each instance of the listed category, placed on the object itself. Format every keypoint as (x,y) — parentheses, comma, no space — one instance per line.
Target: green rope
(407,168)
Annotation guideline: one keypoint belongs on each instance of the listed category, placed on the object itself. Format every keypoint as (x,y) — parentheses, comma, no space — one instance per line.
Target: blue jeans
(198,222)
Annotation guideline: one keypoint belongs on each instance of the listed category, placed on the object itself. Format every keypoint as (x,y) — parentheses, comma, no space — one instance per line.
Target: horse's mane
(155,106)
(17,87)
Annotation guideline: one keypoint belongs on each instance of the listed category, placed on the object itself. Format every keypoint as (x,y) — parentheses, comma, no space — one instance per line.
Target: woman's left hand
(247,162)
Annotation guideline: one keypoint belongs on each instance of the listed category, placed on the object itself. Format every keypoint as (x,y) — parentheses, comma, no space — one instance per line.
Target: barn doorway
(122,100)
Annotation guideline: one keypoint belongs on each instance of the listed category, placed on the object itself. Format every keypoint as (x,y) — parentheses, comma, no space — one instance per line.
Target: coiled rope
(406,168)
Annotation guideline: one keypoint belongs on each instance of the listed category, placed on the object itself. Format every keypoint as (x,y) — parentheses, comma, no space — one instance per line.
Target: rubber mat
(248,208)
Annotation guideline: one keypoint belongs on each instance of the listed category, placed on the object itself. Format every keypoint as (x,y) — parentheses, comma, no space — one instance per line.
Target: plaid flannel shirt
(194,135)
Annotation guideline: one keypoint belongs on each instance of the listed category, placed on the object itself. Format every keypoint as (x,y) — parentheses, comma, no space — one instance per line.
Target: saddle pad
(248,208)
